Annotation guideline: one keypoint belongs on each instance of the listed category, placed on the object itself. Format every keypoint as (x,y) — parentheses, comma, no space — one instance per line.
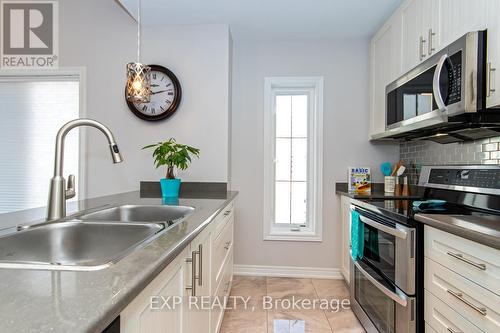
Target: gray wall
(102,37)
(344,66)
(417,153)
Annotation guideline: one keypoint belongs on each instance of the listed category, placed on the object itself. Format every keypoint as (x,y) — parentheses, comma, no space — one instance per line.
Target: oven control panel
(474,177)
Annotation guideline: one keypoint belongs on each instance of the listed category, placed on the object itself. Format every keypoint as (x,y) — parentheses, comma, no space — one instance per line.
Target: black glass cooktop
(403,210)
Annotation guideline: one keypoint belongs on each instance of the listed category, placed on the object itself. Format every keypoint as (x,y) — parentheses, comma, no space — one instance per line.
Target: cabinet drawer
(444,319)
(477,262)
(221,248)
(474,303)
(222,218)
(429,329)
(223,290)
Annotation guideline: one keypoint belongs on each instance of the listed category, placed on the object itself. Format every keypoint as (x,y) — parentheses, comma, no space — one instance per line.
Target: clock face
(165,96)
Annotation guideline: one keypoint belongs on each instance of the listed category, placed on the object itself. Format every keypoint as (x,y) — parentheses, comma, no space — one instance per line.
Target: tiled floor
(260,317)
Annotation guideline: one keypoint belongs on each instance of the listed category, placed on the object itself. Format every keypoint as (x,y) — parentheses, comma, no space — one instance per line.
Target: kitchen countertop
(484,229)
(64,301)
(377,192)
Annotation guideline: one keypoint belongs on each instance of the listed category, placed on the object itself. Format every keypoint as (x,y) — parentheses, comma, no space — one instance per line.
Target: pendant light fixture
(138,88)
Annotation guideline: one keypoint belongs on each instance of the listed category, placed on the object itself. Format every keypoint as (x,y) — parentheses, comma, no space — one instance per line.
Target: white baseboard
(286,271)
(346,275)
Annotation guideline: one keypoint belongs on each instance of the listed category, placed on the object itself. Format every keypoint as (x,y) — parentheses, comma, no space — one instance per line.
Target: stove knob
(464,174)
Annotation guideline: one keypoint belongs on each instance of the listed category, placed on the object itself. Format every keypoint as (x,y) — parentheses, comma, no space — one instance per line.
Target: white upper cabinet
(419,29)
(461,16)
(412,39)
(493,61)
(431,26)
(421,36)
(384,68)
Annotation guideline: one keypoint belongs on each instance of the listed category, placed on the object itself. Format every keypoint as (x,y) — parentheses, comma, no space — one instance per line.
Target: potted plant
(173,155)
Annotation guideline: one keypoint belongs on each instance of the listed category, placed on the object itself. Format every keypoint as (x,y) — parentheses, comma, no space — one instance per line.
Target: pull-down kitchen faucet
(56,208)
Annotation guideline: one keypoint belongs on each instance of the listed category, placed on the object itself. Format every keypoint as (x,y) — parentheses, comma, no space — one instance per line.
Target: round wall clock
(165,96)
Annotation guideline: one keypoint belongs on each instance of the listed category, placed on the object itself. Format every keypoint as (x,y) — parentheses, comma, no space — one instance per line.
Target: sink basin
(74,245)
(138,213)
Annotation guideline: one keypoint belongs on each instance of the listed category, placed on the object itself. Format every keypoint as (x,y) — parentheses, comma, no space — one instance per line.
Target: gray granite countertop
(63,301)
(378,192)
(484,228)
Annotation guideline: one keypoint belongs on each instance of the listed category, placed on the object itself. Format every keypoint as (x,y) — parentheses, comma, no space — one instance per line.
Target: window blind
(32,110)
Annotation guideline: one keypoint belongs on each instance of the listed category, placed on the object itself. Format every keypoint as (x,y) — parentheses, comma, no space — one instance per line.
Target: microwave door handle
(401,299)
(388,230)
(435,83)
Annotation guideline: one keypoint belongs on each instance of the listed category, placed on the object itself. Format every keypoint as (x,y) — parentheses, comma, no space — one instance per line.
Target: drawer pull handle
(421,52)
(451,330)
(431,47)
(467,261)
(489,73)
(460,297)
(227,212)
(194,276)
(200,265)
(227,246)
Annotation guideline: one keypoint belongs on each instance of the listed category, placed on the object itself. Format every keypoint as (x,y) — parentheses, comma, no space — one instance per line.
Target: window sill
(295,236)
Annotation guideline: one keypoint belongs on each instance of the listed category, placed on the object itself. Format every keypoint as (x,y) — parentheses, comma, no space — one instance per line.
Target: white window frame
(81,74)
(312,86)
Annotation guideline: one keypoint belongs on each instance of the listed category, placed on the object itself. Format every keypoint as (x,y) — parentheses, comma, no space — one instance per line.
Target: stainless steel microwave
(444,93)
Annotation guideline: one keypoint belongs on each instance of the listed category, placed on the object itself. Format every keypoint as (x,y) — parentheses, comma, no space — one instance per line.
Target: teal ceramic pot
(170,187)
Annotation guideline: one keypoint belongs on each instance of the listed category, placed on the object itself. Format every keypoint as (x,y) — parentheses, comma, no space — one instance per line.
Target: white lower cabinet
(461,284)
(147,314)
(222,266)
(345,217)
(429,329)
(212,277)
(199,282)
(443,319)
(222,291)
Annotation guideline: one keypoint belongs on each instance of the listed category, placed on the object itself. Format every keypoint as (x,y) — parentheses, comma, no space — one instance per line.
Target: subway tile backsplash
(414,154)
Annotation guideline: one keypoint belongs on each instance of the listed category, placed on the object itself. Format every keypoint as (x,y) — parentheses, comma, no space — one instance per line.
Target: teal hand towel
(357,236)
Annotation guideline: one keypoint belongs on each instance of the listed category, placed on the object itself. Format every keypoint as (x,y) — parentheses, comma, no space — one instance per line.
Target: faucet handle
(70,192)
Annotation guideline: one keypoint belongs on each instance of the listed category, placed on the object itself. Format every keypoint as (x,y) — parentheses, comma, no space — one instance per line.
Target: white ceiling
(275,19)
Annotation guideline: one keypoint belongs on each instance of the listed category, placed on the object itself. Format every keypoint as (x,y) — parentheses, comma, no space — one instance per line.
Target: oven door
(389,248)
(379,305)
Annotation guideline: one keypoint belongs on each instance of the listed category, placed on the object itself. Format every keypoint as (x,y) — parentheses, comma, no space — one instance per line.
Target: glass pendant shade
(138,83)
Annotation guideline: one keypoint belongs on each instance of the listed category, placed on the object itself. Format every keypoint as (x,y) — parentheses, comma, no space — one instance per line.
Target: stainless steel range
(387,276)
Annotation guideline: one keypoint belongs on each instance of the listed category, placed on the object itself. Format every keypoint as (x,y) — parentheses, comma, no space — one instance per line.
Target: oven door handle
(435,83)
(401,299)
(391,231)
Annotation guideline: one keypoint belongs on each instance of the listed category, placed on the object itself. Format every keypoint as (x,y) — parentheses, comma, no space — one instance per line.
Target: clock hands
(161,91)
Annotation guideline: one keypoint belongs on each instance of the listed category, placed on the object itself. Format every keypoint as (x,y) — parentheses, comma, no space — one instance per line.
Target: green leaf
(172,154)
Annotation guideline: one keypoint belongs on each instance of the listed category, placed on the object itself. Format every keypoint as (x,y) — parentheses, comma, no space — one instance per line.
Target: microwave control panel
(455,89)
(454,67)
(484,178)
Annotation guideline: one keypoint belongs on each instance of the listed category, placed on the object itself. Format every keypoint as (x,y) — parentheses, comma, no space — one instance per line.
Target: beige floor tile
(344,322)
(330,288)
(251,288)
(281,288)
(244,322)
(298,322)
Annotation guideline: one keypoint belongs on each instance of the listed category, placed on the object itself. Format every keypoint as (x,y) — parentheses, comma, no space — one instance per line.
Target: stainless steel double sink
(88,241)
